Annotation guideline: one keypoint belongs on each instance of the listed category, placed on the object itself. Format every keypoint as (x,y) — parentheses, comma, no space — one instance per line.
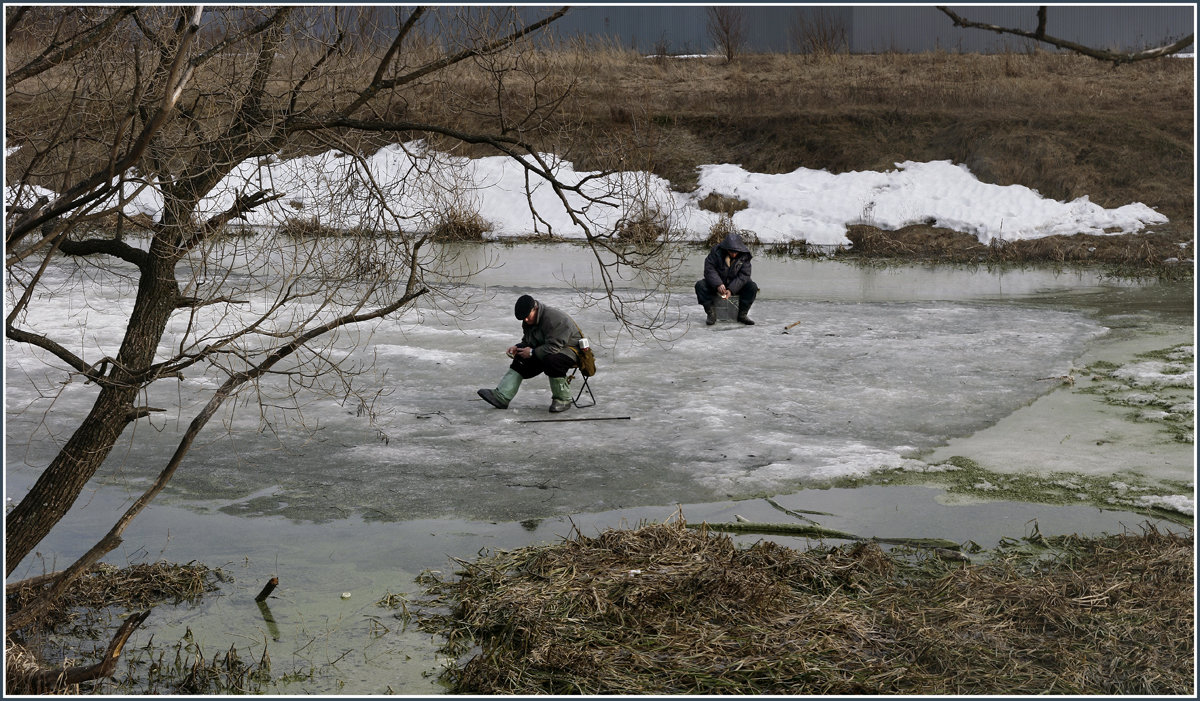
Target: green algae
(1164,395)
(964,478)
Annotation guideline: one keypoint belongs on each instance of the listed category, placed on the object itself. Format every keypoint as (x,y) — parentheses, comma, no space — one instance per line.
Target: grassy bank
(1065,125)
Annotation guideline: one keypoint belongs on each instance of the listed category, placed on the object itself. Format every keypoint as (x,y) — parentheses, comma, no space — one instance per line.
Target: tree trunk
(60,484)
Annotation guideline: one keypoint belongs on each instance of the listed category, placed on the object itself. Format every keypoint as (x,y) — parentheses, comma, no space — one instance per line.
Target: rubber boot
(743,317)
(505,391)
(560,391)
(711,311)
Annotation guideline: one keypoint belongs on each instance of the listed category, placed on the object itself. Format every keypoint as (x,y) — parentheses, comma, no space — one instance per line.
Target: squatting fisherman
(549,342)
(727,273)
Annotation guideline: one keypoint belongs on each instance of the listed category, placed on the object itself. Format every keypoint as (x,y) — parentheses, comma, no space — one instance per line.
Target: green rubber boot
(560,390)
(505,391)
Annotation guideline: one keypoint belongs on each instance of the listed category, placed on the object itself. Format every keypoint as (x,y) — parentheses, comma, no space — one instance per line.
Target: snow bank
(811,205)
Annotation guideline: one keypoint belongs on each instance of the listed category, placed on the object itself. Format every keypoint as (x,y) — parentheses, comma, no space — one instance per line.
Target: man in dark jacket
(727,273)
(549,342)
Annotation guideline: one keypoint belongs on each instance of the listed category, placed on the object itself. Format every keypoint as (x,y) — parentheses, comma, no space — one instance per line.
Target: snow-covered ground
(810,205)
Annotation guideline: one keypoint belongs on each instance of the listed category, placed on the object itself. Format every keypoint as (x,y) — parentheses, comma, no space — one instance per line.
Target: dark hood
(733,242)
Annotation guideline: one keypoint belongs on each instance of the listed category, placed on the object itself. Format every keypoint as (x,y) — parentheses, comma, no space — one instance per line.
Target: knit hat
(524,306)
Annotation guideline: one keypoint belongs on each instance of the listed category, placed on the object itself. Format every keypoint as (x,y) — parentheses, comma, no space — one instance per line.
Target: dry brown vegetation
(1065,125)
(84,612)
(664,609)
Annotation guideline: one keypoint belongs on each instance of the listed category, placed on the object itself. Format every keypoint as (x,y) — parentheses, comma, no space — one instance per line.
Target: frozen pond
(881,368)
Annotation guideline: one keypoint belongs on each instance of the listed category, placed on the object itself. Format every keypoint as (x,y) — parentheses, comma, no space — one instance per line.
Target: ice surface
(868,379)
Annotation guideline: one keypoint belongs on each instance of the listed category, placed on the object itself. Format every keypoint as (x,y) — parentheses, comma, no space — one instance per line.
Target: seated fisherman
(727,273)
(548,344)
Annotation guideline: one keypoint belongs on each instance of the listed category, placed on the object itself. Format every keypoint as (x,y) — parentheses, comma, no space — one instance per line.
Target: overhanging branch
(112,539)
(1040,35)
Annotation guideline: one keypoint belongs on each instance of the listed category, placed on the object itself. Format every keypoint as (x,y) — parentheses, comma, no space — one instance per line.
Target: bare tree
(727,27)
(818,33)
(202,109)
(1039,34)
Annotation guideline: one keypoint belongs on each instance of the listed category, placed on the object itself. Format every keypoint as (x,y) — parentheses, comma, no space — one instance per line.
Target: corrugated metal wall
(683,29)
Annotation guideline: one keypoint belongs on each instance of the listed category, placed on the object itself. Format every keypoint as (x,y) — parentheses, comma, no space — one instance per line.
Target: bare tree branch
(1117,58)
(58,53)
(48,681)
(379,85)
(99,185)
(14,21)
(208,136)
(28,613)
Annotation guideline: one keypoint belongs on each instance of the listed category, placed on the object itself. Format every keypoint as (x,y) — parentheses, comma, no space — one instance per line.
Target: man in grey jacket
(549,343)
(727,273)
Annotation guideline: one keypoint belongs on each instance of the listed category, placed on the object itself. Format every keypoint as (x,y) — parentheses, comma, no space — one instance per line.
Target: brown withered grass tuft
(665,609)
(132,587)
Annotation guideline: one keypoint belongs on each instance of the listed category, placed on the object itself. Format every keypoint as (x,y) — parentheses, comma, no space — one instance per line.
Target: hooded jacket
(722,269)
(551,332)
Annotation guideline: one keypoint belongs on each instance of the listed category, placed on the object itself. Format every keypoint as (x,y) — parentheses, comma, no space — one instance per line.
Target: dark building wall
(683,29)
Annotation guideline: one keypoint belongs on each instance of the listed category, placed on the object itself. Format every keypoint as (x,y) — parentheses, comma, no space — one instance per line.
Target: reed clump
(666,609)
(127,588)
(458,225)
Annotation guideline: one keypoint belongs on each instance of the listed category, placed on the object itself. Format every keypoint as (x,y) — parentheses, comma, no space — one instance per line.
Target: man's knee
(526,367)
(748,292)
(557,364)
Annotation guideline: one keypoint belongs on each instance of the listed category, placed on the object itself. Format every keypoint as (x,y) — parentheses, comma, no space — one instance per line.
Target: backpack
(587,362)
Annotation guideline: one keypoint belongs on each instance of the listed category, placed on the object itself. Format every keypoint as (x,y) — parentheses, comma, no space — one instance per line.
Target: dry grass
(722,204)
(1156,253)
(664,609)
(643,228)
(105,586)
(724,227)
(457,225)
(86,609)
(1065,125)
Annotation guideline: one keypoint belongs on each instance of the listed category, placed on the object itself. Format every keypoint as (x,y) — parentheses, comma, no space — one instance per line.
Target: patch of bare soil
(669,609)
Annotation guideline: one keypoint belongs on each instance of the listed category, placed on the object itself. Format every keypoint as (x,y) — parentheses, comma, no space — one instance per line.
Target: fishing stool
(583,388)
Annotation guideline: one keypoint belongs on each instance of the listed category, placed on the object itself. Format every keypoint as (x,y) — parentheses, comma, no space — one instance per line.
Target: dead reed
(86,610)
(664,609)
(456,225)
(129,588)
